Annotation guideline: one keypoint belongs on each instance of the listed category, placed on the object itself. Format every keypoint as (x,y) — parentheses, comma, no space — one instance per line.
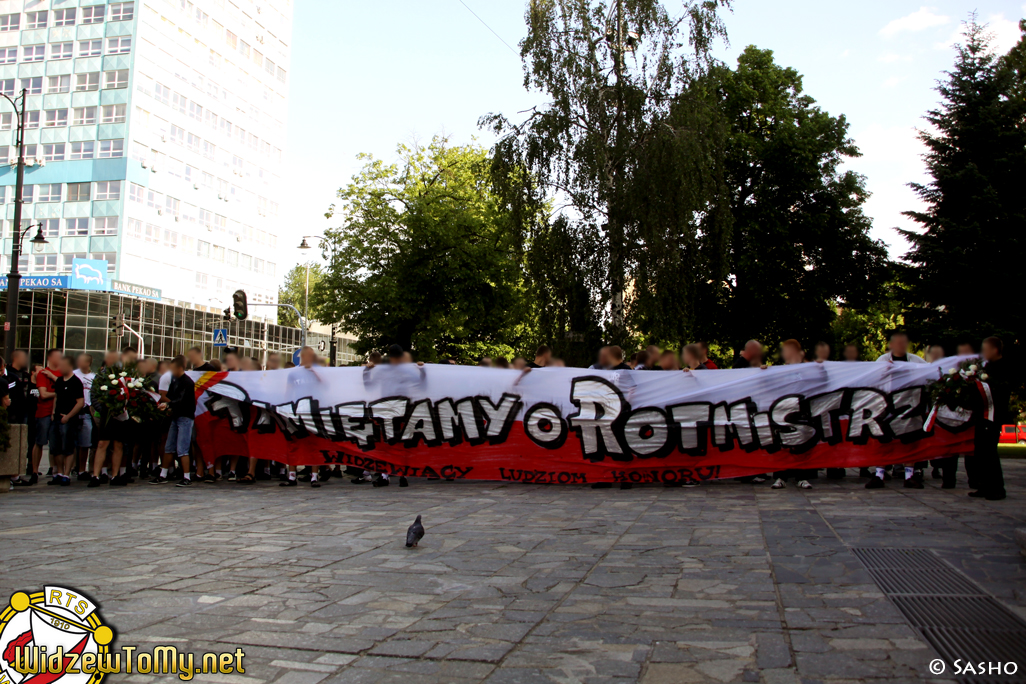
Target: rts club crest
(48,636)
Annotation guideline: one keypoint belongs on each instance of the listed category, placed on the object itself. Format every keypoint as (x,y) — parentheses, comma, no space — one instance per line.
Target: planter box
(12,461)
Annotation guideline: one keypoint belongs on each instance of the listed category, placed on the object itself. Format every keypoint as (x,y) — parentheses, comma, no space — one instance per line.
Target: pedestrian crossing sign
(221,337)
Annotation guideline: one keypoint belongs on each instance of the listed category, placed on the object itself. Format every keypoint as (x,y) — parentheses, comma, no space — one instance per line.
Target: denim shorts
(179,436)
(84,434)
(43,430)
(62,437)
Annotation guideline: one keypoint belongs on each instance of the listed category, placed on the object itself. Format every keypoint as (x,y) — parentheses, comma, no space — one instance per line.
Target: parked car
(1013,434)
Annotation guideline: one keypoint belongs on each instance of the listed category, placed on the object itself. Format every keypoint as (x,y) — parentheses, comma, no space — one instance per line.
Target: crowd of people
(57,402)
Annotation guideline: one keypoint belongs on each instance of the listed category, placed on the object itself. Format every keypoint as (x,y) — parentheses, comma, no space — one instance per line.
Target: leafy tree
(799,238)
(426,257)
(610,73)
(869,326)
(293,291)
(966,257)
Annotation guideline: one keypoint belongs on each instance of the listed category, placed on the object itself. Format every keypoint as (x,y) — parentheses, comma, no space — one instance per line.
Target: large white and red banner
(574,426)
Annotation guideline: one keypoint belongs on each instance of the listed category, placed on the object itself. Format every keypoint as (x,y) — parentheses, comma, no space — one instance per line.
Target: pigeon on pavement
(415,533)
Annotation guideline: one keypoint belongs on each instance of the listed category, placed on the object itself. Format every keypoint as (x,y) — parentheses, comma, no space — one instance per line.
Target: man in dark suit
(997,375)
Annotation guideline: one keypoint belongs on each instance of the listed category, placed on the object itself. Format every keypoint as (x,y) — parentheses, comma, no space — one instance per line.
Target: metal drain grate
(957,617)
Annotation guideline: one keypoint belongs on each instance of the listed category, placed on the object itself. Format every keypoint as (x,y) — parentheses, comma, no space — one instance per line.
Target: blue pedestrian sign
(220,337)
(295,357)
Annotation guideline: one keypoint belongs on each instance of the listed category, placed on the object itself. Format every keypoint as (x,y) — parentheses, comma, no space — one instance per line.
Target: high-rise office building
(157,128)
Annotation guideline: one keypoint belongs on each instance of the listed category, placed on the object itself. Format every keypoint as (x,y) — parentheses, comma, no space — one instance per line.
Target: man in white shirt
(84,372)
(897,345)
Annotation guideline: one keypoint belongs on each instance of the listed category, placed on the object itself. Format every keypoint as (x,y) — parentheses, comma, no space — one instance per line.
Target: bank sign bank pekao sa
(86,274)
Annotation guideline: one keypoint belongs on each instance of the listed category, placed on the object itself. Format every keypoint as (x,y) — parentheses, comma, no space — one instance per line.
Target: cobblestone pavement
(513,583)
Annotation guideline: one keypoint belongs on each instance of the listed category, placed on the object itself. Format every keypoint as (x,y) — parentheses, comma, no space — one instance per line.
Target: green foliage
(799,238)
(867,327)
(605,106)
(293,291)
(426,258)
(967,255)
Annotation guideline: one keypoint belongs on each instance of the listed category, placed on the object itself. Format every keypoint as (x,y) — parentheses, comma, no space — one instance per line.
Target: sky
(367,76)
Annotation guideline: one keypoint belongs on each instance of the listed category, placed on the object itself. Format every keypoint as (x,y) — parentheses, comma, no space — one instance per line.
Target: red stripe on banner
(519,459)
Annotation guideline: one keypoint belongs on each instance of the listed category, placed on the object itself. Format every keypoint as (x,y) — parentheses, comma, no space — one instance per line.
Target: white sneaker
(779,484)
(804,484)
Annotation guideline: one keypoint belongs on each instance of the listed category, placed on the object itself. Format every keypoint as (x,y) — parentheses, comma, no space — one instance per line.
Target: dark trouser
(949,469)
(987,463)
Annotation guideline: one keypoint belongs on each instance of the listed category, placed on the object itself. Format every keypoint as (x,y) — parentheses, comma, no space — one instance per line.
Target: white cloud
(891,57)
(920,20)
(1004,33)
(893,81)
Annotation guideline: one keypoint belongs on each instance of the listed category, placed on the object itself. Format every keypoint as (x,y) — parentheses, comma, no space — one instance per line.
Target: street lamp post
(306,299)
(17,234)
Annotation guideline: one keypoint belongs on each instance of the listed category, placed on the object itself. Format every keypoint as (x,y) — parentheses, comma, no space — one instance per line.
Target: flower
(122,373)
(974,367)
(112,376)
(952,371)
(970,373)
(984,377)
(113,393)
(103,388)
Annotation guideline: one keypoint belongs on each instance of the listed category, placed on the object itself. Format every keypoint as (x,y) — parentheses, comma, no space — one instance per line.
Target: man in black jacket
(996,374)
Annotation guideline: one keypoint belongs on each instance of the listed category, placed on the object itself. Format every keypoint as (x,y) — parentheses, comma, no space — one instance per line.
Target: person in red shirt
(705,360)
(44,407)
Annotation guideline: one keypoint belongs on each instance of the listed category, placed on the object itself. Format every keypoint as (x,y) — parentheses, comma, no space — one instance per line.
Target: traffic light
(228,314)
(117,324)
(240,308)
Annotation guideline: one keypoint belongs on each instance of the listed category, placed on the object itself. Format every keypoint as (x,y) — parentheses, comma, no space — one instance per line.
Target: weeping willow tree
(622,151)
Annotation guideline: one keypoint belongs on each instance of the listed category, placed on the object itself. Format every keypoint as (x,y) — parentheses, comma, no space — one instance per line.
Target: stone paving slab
(728,582)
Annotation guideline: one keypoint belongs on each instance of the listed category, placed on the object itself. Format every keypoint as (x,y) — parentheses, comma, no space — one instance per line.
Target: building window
(110,149)
(33,53)
(28,192)
(8,55)
(201,281)
(6,123)
(173,206)
(120,45)
(136,193)
(83,150)
(49,192)
(76,227)
(51,227)
(90,48)
(195,111)
(45,263)
(231,39)
(84,116)
(58,84)
(78,192)
(154,200)
(64,17)
(161,93)
(7,86)
(33,85)
(56,118)
(192,142)
(116,79)
(69,260)
(233,258)
(93,14)
(110,257)
(105,225)
(108,190)
(113,114)
(122,11)
(170,239)
(281,74)
(203,249)
(62,50)
(36,20)
(177,135)
(90,81)
(151,233)
(53,152)
(135,228)
(179,102)
(10,22)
